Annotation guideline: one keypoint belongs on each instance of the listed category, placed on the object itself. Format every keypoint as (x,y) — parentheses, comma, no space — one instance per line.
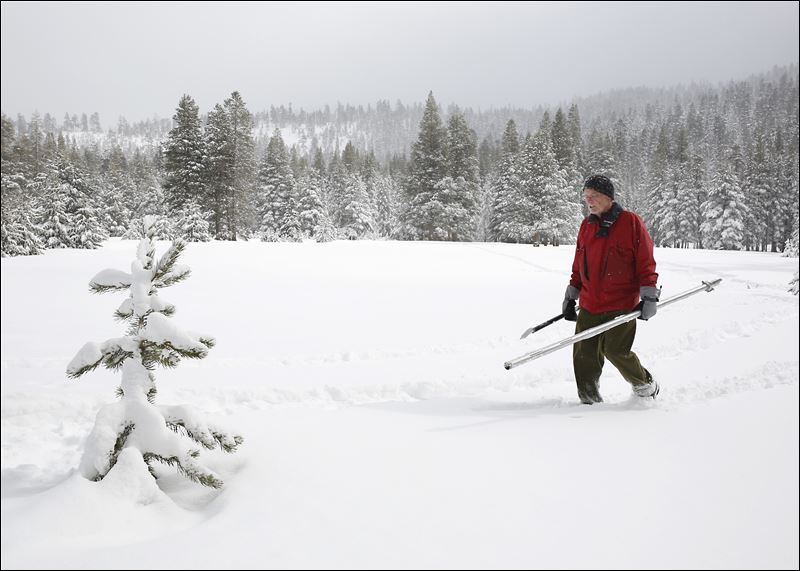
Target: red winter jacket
(610,269)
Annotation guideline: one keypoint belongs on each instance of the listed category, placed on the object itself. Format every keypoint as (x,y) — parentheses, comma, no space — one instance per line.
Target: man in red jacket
(613,269)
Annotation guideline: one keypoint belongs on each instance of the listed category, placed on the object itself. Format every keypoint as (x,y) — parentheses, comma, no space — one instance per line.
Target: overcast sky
(137,59)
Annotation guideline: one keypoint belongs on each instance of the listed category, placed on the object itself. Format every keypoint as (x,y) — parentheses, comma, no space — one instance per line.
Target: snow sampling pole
(707,286)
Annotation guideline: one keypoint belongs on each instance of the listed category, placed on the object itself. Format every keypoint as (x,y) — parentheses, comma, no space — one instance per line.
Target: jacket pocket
(619,266)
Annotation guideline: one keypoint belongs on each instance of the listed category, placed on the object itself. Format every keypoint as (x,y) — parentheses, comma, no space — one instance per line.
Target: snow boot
(649,390)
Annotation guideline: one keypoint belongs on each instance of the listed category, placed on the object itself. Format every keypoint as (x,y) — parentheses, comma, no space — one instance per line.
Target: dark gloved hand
(568,305)
(649,304)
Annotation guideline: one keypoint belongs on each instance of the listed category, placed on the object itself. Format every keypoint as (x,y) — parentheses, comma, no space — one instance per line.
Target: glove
(649,303)
(568,305)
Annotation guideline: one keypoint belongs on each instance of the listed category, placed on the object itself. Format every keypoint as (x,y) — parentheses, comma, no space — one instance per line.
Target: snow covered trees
(230,167)
(146,433)
(533,198)
(241,148)
(184,177)
(725,212)
(428,167)
(276,203)
(791,251)
(666,151)
(71,215)
(459,189)
(18,235)
(191,225)
(507,199)
(442,188)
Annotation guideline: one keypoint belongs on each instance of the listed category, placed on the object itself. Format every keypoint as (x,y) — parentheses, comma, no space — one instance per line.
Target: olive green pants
(589,355)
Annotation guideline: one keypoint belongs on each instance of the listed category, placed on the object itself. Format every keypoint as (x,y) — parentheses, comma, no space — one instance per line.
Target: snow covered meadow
(381,429)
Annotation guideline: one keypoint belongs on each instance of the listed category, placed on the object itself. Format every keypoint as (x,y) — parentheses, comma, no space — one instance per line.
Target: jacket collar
(606,220)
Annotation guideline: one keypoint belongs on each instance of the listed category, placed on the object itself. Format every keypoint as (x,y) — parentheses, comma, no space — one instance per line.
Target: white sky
(137,59)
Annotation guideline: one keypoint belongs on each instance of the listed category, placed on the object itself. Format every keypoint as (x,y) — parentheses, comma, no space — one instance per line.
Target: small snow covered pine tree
(135,424)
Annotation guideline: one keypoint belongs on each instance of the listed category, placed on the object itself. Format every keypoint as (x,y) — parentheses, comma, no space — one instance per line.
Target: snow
(112,278)
(380,428)
(91,353)
(160,329)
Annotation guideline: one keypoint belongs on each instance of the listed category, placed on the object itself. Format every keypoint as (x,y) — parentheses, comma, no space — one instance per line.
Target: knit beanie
(601,184)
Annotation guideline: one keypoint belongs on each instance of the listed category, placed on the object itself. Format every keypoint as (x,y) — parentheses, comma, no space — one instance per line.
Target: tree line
(711,167)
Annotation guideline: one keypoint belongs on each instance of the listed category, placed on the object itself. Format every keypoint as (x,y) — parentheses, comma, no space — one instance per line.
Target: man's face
(597,202)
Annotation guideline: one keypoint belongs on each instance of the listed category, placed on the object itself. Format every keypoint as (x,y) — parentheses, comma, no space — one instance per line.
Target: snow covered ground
(381,430)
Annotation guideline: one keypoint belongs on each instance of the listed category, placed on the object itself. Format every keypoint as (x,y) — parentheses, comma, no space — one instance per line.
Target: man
(613,269)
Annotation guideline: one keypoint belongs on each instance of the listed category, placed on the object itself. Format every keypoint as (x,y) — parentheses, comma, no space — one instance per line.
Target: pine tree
(563,202)
(758,186)
(562,142)
(148,200)
(599,157)
(785,171)
(70,214)
(725,211)
(666,216)
(162,229)
(461,150)
(508,203)
(310,210)
(35,137)
(675,206)
(290,229)
(191,225)
(551,210)
(275,200)
(423,214)
(694,194)
(240,211)
(150,195)
(510,141)
(387,206)
(115,194)
(485,202)
(55,223)
(19,237)
(487,156)
(184,160)
(94,123)
(546,124)
(319,162)
(219,168)
(792,245)
(87,231)
(350,158)
(358,218)
(659,191)
(456,194)
(134,432)
(337,191)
